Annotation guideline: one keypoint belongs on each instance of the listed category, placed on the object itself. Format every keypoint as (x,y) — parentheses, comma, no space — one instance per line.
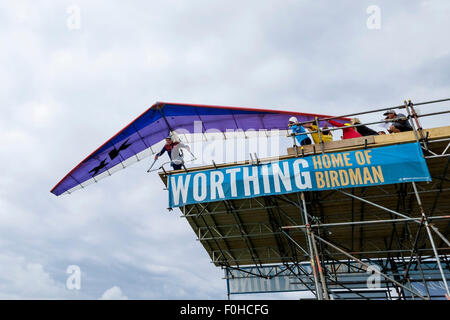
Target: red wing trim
(71,171)
(251,109)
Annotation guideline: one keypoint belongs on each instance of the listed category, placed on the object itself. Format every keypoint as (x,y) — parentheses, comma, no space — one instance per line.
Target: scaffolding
(323,240)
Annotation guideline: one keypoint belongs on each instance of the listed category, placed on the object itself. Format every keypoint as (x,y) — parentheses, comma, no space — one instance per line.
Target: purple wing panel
(157,122)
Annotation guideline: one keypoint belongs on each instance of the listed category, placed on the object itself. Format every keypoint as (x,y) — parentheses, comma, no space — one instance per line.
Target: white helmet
(174,136)
(293,119)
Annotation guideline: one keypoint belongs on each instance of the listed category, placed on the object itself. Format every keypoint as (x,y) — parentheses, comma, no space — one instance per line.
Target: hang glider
(135,141)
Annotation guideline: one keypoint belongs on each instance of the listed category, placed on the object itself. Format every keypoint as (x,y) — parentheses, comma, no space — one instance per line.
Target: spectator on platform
(297,128)
(399,122)
(362,129)
(325,133)
(348,133)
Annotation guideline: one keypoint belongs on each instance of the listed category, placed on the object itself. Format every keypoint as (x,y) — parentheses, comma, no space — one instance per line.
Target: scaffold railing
(408,106)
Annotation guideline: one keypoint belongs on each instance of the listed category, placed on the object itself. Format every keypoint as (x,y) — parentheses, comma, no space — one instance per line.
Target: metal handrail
(405,106)
(368,123)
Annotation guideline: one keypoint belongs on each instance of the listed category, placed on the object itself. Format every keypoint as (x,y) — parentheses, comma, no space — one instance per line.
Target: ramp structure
(375,241)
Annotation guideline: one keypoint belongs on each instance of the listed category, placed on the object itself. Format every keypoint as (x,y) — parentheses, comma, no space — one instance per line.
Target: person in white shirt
(173,149)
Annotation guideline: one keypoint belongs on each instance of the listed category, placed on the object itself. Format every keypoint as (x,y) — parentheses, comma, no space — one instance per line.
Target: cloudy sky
(75,72)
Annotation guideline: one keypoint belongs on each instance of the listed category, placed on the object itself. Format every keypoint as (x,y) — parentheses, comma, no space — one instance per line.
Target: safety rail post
(410,121)
(320,135)
(304,217)
(314,255)
(295,143)
(416,119)
(419,126)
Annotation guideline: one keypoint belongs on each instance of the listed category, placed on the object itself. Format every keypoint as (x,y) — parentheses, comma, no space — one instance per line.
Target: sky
(73,73)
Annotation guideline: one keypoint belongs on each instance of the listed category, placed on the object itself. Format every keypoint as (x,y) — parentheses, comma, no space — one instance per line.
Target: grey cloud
(63,93)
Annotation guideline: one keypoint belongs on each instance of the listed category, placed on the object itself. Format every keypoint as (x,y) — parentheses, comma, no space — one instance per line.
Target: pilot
(173,149)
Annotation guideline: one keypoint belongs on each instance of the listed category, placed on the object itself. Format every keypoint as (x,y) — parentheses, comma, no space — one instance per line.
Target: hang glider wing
(134,142)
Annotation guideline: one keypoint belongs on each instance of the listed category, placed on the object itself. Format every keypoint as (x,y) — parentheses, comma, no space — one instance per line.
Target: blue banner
(359,168)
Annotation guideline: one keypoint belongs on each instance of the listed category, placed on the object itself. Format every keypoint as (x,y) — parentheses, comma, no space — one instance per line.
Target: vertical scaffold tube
(315,262)
(430,236)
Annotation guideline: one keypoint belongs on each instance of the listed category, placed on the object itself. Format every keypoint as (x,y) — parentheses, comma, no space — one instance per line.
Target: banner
(359,168)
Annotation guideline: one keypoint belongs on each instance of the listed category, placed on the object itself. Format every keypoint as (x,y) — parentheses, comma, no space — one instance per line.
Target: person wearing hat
(399,122)
(173,150)
(297,128)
